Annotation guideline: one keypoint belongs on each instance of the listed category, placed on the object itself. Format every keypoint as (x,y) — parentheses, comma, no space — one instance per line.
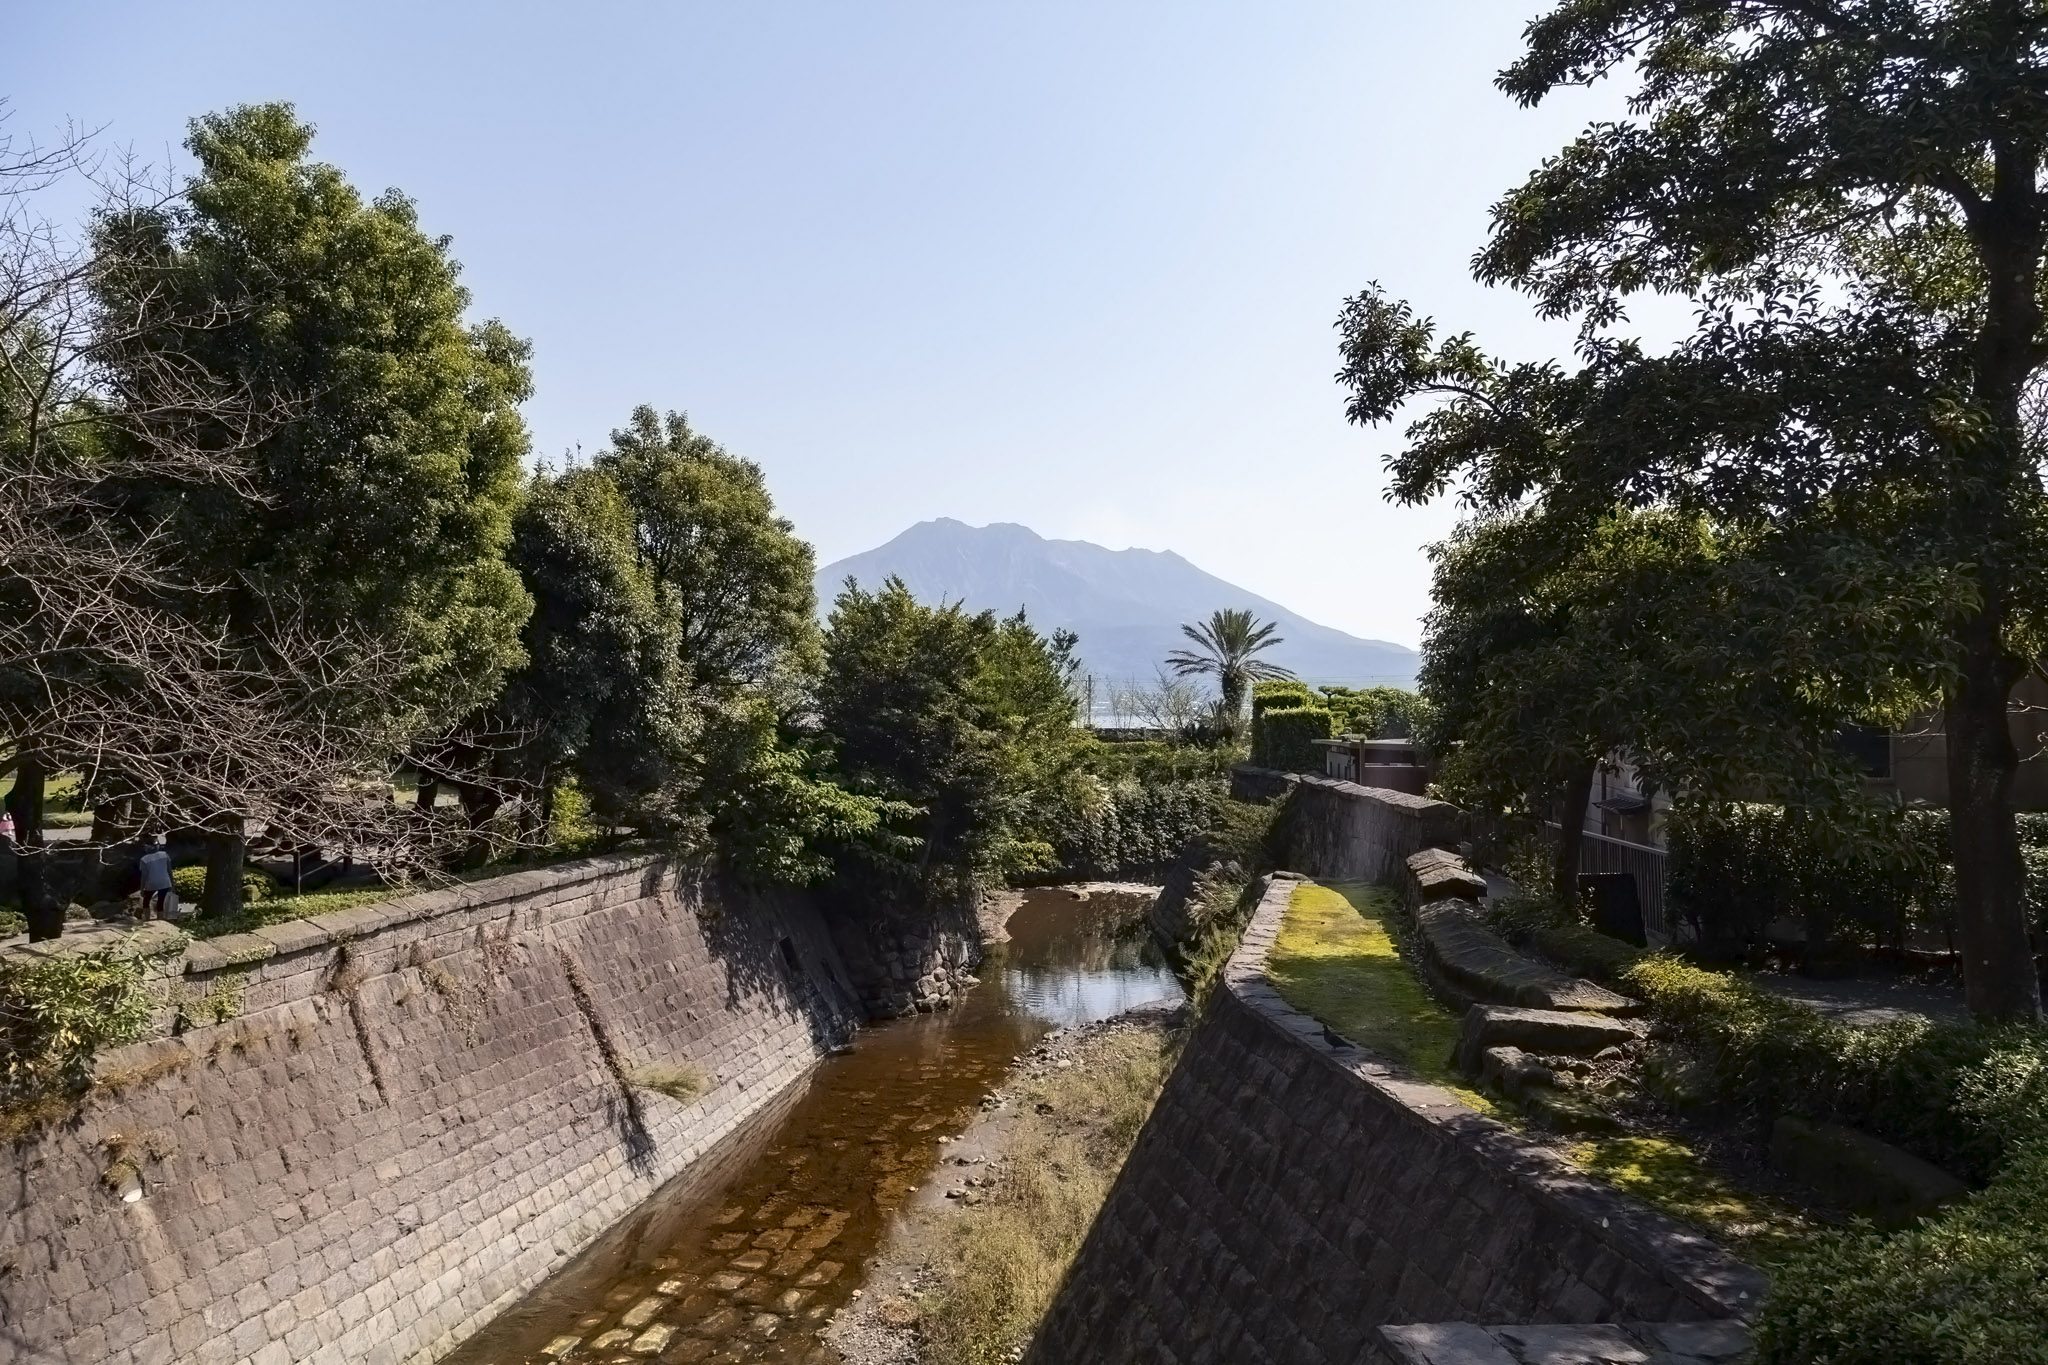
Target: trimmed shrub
(1285,693)
(1736,867)
(1283,738)
(1956,1094)
(1378,712)
(190,883)
(1968,1286)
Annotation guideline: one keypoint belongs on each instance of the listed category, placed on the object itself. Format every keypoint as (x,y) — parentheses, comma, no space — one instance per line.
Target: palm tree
(1227,641)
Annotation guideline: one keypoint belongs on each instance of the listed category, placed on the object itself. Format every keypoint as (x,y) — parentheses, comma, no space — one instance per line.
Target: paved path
(1867,1001)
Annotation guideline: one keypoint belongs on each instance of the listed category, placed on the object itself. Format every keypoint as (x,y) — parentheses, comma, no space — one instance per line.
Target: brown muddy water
(748,1255)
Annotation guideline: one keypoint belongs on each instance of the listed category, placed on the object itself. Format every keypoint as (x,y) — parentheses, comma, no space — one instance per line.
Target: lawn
(1336,960)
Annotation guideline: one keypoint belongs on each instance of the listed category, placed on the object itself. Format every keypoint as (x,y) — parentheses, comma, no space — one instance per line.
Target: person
(155,867)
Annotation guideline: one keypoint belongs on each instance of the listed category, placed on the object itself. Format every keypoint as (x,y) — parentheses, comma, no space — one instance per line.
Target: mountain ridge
(1126,605)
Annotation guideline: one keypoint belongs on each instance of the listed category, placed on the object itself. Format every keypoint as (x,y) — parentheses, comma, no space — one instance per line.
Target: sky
(1073,265)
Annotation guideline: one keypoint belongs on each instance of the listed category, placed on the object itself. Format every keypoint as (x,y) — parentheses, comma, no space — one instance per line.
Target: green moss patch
(1335,959)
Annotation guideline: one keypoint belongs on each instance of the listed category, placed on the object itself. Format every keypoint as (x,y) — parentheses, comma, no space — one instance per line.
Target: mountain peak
(1126,605)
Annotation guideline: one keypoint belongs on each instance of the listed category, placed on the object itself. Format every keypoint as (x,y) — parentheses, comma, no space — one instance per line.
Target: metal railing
(1604,853)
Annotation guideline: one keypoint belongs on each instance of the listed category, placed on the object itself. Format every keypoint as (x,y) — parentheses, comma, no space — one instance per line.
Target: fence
(1603,853)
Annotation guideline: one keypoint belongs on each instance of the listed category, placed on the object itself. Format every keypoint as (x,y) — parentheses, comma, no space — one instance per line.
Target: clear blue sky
(1071,265)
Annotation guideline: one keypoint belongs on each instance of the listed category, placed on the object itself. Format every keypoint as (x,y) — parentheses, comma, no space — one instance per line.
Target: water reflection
(1072,961)
(744,1258)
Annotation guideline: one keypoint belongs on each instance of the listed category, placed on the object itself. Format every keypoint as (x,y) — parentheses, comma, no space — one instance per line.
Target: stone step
(1478,965)
(1546,1031)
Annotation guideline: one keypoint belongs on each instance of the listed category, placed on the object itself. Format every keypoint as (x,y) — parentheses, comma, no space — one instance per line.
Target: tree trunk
(113,820)
(1999,978)
(225,848)
(25,804)
(429,792)
(1571,831)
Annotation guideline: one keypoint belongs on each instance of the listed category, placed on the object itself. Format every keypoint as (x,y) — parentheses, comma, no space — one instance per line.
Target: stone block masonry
(1340,831)
(1292,1194)
(418,1110)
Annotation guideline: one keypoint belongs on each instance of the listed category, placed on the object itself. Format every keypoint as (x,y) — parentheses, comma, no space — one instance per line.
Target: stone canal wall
(1291,1195)
(1341,831)
(417,1111)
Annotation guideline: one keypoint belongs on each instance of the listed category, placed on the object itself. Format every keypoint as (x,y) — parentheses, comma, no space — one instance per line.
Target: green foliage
(1283,738)
(388,494)
(1378,712)
(58,1012)
(604,693)
(1968,1286)
(1957,1095)
(1734,867)
(190,882)
(569,822)
(1105,829)
(1227,646)
(964,717)
(1278,693)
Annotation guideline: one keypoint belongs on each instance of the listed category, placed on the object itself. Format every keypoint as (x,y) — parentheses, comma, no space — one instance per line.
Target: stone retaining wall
(1292,1194)
(1341,831)
(419,1110)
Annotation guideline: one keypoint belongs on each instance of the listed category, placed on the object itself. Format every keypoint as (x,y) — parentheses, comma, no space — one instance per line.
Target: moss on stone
(1336,959)
(1668,1175)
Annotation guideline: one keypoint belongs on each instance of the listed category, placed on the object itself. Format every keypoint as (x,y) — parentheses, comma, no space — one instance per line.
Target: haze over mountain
(1127,605)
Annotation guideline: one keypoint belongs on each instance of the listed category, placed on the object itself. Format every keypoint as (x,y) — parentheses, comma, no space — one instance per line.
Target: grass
(1672,1177)
(256,914)
(1336,959)
(1000,1263)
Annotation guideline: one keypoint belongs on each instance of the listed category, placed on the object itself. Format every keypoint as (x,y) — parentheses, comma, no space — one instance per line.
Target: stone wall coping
(195,956)
(1688,1260)
(1384,795)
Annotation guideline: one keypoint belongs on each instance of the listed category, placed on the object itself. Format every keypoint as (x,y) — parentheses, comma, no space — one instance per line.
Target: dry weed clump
(1000,1263)
(682,1081)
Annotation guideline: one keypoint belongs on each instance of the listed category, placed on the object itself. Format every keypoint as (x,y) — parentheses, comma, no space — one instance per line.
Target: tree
(1224,648)
(604,693)
(1855,190)
(735,576)
(962,718)
(1720,658)
(99,669)
(382,507)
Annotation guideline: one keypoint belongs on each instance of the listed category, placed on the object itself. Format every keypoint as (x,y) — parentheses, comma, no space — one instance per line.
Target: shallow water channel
(745,1257)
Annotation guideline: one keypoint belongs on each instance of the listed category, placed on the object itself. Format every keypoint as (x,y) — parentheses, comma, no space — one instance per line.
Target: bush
(1956,1094)
(1285,694)
(190,884)
(1127,827)
(57,1012)
(1378,712)
(1283,738)
(1966,1287)
(1735,867)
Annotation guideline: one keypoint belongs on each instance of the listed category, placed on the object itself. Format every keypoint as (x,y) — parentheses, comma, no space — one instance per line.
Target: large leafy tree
(603,696)
(963,718)
(382,508)
(1855,189)
(1226,648)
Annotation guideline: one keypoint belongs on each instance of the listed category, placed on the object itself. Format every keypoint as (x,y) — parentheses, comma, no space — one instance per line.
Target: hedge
(1968,1286)
(1282,738)
(1282,694)
(1958,1095)
(1736,867)
(1131,827)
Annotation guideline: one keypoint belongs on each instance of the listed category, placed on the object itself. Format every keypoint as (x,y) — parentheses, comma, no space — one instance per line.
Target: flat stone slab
(1484,967)
(1862,1173)
(1601,1343)
(1542,1031)
(1439,874)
